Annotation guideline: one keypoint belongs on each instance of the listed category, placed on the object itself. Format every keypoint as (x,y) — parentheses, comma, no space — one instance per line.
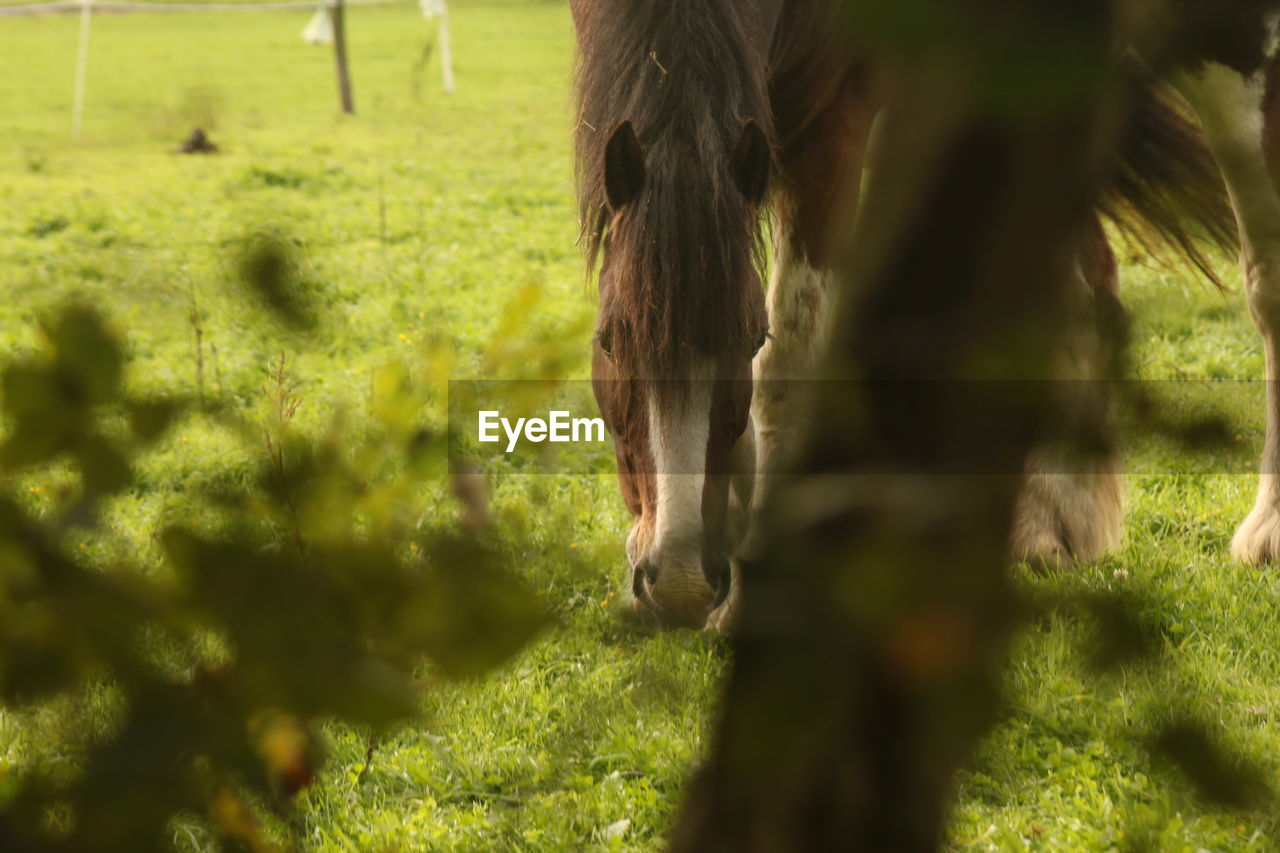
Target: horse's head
(682,314)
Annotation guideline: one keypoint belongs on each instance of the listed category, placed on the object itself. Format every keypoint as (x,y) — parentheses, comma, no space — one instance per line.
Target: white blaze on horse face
(678,437)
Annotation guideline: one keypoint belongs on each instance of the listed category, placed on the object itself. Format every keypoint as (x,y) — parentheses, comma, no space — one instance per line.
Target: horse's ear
(623,166)
(751,162)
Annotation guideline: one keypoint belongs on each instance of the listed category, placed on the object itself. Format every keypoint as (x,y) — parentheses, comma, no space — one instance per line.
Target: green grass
(420,222)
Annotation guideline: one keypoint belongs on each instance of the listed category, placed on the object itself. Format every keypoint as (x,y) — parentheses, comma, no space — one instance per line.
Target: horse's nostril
(644,571)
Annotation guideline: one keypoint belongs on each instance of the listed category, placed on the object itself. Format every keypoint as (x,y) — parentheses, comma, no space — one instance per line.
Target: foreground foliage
(315,598)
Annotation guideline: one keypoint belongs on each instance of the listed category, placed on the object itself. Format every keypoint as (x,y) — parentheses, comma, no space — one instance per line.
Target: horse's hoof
(1257,540)
(723,617)
(1063,520)
(1047,553)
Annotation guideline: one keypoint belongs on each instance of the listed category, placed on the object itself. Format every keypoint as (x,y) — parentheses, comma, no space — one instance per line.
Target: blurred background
(432,236)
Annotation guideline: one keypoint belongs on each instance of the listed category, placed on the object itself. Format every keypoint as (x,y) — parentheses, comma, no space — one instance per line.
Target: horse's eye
(764,337)
(603,342)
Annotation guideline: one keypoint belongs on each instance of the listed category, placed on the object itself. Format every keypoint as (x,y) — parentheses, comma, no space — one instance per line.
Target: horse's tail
(1166,192)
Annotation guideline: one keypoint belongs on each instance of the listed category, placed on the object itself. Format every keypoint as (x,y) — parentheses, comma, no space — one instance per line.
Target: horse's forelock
(685,251)
(684,259)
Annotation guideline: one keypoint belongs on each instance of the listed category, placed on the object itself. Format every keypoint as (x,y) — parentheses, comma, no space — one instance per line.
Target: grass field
(446,225)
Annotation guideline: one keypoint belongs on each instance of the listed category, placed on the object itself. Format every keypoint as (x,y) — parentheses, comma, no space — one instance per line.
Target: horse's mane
(688,75)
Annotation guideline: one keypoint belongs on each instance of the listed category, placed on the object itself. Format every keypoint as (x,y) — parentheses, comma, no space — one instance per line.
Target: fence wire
(143,6)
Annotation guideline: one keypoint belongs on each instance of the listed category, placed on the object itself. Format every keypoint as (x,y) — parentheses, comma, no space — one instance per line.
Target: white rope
(82,66)
(38,8)
(143,6)
(446,48)
(439,9)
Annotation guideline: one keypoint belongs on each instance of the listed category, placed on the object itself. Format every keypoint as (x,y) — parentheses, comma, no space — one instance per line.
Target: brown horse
(675,153)
(696,116)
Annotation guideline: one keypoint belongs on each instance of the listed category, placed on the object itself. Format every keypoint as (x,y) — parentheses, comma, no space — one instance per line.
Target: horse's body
(696,115)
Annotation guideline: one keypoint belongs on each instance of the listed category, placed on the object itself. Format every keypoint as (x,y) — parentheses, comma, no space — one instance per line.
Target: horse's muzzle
(677,604)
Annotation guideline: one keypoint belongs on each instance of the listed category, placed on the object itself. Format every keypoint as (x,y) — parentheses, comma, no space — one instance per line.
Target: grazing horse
(695,119)
(675,150)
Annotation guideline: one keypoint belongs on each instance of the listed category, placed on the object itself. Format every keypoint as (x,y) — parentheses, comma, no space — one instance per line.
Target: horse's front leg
(1071,504)
(799,312)
(741,490)
(814,200)
(1242,130)
(814,195)
(801,292)
(1257,540)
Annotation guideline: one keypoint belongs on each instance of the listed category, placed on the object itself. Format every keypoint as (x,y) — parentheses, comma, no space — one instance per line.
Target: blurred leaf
(45,421)
(87,352)
(104,470)
(35,662)
(313,614)
(910,24)
(151,418)
(268,266)
(236,820)
(289,752)
(469,616)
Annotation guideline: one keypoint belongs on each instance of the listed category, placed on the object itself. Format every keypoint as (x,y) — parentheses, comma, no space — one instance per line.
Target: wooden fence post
(340,57)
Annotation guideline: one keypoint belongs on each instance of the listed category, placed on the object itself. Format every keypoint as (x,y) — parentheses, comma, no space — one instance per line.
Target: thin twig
(217,368)
(193,317)
(282,392)
(370,748)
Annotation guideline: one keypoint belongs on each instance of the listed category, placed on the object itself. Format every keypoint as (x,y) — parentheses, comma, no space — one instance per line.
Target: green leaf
(469,615)
(151,418)
(87,353)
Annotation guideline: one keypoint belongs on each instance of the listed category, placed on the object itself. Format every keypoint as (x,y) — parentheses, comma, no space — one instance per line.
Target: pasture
(438,233)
